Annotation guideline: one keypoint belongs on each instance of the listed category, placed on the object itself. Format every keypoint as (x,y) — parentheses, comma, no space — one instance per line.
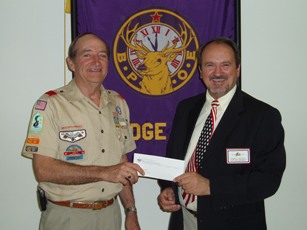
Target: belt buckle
(96,205)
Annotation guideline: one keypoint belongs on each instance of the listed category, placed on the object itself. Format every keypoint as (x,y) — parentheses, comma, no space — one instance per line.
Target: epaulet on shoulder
(51,93)
(122,96)
(114,93)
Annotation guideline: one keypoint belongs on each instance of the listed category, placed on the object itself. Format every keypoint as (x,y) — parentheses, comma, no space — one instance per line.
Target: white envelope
(159,167)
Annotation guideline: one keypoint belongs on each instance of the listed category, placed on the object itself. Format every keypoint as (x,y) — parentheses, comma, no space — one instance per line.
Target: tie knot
(215,103)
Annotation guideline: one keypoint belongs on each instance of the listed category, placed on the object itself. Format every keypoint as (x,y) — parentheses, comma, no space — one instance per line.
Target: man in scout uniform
(78,137)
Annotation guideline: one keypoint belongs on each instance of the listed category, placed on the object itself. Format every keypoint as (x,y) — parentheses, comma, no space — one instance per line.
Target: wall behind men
(31,62)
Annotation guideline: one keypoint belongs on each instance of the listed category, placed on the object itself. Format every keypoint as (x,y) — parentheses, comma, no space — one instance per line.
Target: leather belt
(96,205)
(194,213)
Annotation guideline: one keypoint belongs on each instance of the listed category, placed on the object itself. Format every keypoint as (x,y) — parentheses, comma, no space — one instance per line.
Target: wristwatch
(131,209)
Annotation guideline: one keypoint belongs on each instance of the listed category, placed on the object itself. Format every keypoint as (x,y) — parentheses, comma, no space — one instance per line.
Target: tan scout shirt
(66,125)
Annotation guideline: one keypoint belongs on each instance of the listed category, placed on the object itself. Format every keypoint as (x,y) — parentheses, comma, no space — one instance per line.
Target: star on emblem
(156,17)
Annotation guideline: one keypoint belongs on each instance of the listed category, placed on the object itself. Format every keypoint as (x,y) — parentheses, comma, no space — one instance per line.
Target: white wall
(31,62)
(274,54)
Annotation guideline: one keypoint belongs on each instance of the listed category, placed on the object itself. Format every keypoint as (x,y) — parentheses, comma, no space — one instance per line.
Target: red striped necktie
(203,142)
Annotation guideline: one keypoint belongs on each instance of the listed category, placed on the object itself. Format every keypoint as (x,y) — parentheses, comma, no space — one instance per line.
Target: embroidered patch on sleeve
(31,149)
(40,105)
(37,123)
(33,140)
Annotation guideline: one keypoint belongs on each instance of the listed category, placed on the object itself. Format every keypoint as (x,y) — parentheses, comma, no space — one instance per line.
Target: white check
(159,167)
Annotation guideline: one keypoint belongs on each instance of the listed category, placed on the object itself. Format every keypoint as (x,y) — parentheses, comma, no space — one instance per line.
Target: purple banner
(153,62)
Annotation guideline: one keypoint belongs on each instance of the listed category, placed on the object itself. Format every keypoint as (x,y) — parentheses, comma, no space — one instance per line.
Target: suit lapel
(193,116)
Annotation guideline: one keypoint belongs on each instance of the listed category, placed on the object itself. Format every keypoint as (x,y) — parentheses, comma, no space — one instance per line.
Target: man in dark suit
(225,185)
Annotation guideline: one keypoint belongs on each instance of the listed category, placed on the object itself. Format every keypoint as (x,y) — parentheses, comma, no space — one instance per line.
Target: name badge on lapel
(238,156)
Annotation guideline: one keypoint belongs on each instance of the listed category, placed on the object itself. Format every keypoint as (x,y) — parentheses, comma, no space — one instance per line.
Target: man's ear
(70,64)
(200,73)
(238,70)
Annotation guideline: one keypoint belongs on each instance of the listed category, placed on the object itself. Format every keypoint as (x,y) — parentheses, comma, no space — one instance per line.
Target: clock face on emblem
(155,52)
(156,37)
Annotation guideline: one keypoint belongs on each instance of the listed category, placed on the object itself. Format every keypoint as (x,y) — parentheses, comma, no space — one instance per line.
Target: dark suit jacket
(237,190)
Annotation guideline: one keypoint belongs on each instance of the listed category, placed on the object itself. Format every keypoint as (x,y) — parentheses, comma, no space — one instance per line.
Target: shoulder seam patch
(51,93)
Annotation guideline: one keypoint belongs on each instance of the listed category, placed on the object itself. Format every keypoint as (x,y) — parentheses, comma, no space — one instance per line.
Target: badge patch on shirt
(40,105)
(118,121)
(32,149)
(33,141)
(37,123)
(73,136)
(238,156)
(74,152)
(118,109)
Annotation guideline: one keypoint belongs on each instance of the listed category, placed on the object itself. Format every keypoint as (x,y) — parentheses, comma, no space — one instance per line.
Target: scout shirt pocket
(70,138)
(122,127)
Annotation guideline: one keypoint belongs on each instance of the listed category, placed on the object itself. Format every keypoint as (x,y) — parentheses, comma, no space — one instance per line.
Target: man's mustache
(218,78)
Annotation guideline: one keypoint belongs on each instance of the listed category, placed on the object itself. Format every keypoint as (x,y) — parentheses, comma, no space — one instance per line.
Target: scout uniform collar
(73,93)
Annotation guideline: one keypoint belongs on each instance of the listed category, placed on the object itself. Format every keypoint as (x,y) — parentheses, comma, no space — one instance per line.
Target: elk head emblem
(153,68)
